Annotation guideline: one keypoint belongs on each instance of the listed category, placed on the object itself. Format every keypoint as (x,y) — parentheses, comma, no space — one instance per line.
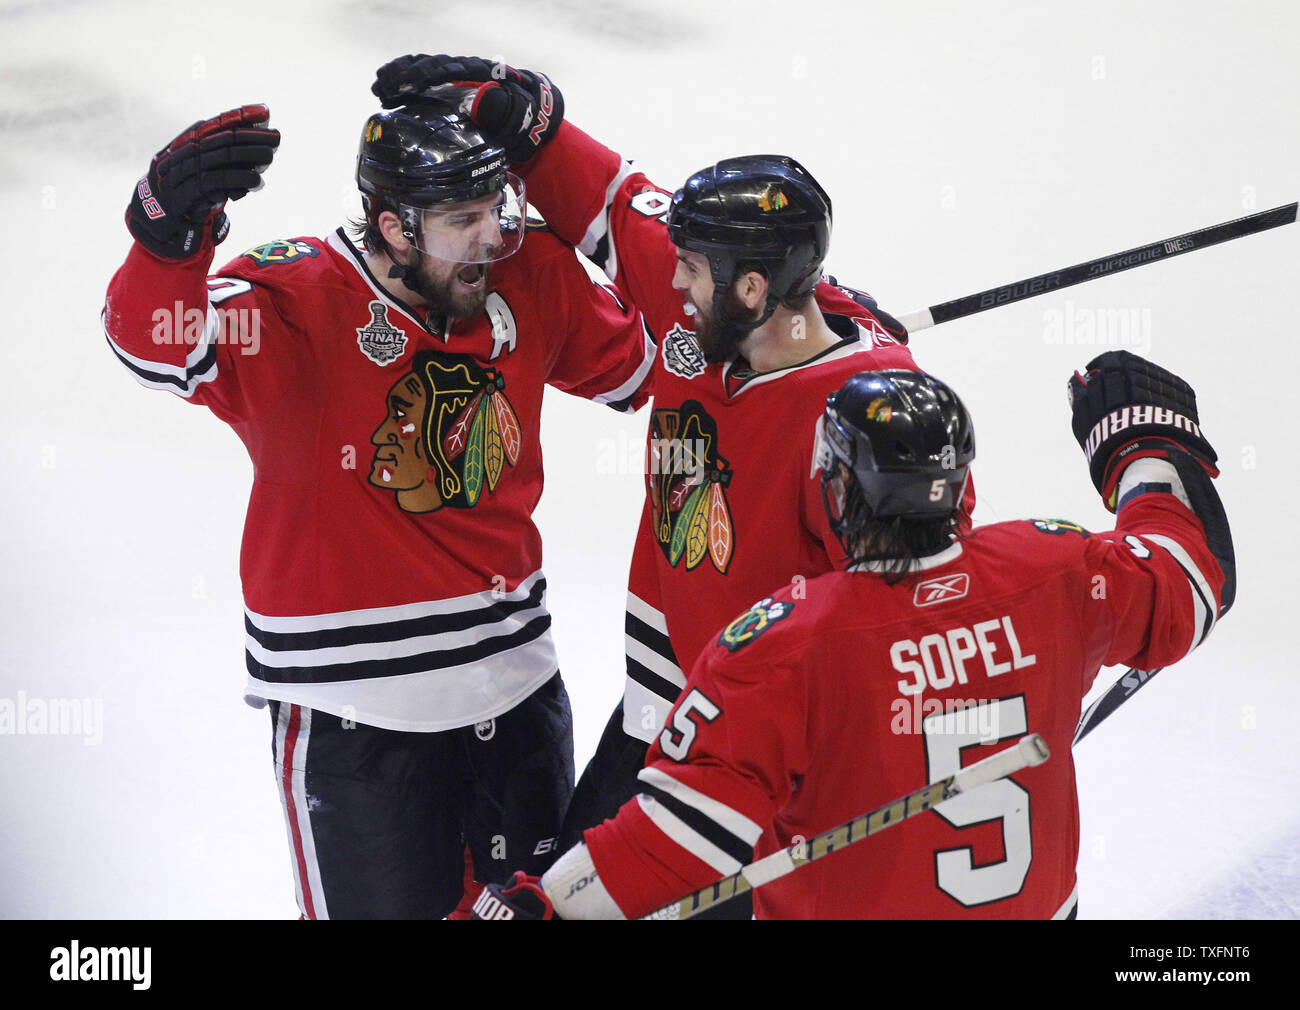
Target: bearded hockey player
(728,273)
(926,655)
(395,604)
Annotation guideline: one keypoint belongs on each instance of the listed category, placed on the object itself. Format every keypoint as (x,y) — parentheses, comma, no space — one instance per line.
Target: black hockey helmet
(908,442)
(763,209)
(421,156)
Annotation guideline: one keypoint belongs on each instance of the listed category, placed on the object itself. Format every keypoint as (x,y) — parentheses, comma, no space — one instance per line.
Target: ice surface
(964,145)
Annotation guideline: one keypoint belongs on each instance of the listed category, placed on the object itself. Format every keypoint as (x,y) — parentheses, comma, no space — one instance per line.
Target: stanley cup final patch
(380,340)
(682,355)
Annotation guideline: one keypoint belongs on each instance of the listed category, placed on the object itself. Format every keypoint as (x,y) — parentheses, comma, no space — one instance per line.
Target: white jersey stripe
(724,816)
(399,649)
(654,662)
(628,388)
(687,837)
(1202,595)
(1069,904)
(384,615)
(599,225)
(211,327)
(136,365)
(428,702)
(642,611)
(641,705)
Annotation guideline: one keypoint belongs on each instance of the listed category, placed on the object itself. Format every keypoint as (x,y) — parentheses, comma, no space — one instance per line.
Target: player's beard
(718,338)
(439,292)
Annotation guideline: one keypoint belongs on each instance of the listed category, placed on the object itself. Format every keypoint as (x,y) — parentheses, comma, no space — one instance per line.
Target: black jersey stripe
(600,255)
(367,669)
(652,638)
(394,631)
(651,681)
(703,825)
(203,365)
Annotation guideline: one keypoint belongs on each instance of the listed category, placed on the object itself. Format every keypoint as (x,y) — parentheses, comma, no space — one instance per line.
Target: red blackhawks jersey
(732,509)
(824,702)
(390,565)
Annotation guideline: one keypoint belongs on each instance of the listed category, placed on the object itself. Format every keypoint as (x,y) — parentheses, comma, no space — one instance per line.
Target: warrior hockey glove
(1126,408)
(521,897)
(517,109)
(190,180)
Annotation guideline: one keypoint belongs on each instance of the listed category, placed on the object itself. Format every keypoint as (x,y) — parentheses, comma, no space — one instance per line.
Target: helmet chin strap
(739,326)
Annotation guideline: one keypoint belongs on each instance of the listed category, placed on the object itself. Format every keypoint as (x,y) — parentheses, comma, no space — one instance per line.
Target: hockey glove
(1127,408)
(892,326)
(190,180)
(521,897)
(518,109)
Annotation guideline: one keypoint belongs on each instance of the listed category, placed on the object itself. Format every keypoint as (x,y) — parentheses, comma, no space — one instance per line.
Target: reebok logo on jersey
(941,590)
(880,337)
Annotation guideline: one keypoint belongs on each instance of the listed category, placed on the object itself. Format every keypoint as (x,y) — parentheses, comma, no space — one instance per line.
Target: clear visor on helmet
(474,231)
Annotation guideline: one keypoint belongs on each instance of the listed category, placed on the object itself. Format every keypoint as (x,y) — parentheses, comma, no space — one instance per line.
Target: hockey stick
(1029,751)
(1115,696)
(1103,266)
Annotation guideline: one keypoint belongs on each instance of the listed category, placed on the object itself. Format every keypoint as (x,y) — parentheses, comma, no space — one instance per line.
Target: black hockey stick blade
(1103,266)
(1115,696)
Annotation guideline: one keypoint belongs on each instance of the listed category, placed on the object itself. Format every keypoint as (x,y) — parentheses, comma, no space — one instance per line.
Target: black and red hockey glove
(518,109)
(190,180)
(521,897)
(1127,408)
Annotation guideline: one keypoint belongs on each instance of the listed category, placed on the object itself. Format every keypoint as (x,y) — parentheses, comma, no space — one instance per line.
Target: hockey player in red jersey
(930,652)
(751,339)
(389,395)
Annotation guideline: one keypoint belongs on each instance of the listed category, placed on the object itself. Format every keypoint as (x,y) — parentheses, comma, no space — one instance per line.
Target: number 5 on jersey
(677,737)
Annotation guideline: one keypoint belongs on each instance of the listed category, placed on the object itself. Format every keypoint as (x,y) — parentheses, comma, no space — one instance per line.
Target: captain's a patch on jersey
(753,622)
(280,251)
(1058,527)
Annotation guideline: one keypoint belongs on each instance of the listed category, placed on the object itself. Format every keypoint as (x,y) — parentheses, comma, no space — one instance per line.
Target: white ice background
(964,144)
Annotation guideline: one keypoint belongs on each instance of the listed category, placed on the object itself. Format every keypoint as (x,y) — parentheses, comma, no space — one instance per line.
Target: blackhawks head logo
(688,482)
(449,431)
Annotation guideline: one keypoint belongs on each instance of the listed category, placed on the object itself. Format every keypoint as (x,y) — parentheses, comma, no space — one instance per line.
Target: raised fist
(518,109)
(1127,408)
(189,181)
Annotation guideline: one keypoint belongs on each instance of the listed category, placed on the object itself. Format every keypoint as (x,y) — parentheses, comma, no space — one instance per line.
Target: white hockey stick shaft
(1029,751)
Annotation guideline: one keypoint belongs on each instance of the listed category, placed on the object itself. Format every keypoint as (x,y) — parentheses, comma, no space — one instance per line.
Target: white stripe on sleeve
(724,816)
(687,837)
